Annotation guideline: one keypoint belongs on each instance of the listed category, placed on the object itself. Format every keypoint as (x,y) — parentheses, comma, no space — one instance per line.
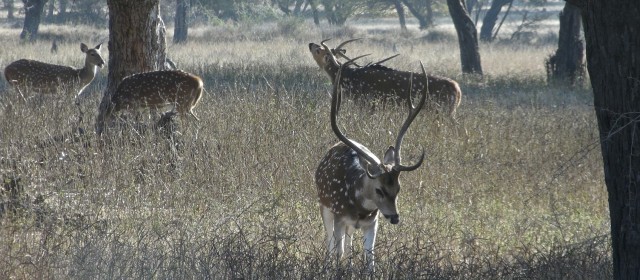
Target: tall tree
(314,11)
(400,10)
(613,60)
(467,37)
(489,21)
(32,16)
(136,42)
(8,4)
(566,65)
(181,26)
(421,10)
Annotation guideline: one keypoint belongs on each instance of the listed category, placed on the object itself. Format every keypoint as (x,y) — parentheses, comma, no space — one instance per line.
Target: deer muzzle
(394,219)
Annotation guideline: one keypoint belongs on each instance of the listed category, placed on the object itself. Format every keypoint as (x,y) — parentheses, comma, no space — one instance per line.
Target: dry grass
(515,190)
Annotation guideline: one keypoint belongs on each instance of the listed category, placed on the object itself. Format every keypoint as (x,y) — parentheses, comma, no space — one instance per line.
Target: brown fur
(384,83)
(32,75)
(156,90)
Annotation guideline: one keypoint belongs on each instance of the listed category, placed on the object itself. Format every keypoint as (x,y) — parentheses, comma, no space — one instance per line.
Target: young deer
(26,74)
(353,184)
(377,81)
(154,90)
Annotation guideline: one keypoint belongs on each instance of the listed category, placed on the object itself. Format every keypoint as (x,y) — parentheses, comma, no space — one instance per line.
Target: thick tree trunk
(297,7)
(400,11)
(33,14)
(136,42)
(50,9)
(314,11)
(566,66)
(425,19)
(181,26)
(8,4)
(470,5)
(613,60)
(490,19)
(467,37)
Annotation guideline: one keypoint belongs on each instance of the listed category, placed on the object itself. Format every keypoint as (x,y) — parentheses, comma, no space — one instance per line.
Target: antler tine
(352,61)
(338,50)
(346,57)
(347,42)
(386,59)
(336,98)
(413,112)
(324,45)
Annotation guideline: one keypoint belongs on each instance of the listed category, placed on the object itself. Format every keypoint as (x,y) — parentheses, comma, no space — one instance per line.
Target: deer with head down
(354,185)
(154,90)
(26,74)
(378,81)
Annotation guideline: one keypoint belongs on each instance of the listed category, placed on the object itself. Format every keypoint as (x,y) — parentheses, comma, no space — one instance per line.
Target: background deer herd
(349,200)
(239,197)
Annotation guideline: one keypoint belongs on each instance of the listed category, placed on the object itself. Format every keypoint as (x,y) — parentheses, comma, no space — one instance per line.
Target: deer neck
(365,195)
(332,70)
(87,73)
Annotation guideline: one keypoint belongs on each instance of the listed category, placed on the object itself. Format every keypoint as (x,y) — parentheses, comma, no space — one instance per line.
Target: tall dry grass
(514,190)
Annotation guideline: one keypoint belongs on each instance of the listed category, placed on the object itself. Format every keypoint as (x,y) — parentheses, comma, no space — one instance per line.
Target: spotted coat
(32,75)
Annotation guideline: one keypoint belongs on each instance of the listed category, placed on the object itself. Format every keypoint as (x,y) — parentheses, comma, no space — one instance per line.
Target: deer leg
(348,241)
(369,242)
(328,220)
(339,231)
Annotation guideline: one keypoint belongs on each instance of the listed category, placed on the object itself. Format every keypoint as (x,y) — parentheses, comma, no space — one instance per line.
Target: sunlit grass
(514,190)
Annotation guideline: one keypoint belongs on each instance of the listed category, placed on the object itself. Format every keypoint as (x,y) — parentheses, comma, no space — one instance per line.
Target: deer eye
(379,192)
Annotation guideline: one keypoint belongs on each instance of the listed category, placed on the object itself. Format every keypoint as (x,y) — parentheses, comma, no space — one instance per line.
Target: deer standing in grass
(26,74)
(154,90)
(353,184)
(377,81)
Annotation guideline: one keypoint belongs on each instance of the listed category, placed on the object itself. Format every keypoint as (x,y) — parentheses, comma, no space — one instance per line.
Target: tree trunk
(33,14)
(400,11)
(314,11)
(613,61)
(467,37)
(8,4)
(425,19)
(50,9)
(62,11)
(566,66)
(489,21)
(181,27)
(136,42)
(297,7)
(470,5)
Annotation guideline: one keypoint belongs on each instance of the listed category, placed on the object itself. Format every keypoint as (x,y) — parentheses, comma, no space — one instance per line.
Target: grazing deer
(375,80)
(353,184)
(26,74)
(154,90)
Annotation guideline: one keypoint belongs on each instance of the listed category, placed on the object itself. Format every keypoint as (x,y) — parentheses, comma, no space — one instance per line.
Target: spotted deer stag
(154,90)
(353,184)
(378,81)
(26,74)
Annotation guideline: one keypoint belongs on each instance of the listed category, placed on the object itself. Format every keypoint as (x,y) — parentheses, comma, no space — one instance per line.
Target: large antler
(339,51)
(413,112)
(336,98)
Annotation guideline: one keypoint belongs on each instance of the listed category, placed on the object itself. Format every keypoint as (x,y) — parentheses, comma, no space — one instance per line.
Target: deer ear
(98,46)
(83,47)
(389,155)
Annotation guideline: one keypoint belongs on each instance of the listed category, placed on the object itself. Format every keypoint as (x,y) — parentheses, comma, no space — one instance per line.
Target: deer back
(40,76)
(158,89)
